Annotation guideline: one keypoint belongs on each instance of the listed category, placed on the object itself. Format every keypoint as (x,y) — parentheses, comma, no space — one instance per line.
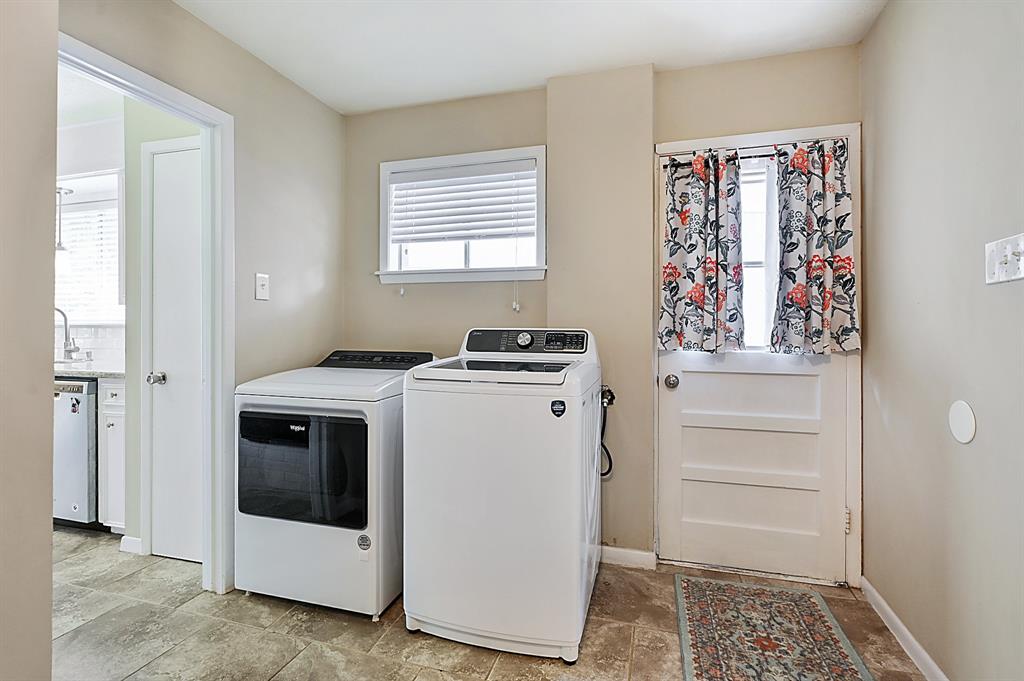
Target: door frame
(218,308)
(149,151)
(854,393)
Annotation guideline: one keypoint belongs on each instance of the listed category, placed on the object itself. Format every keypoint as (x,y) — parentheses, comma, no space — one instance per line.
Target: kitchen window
(89,271)
(467,217)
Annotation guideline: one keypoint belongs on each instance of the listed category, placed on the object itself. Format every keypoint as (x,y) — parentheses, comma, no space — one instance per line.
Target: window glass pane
(86,273)
(755,308)
(753,235)
(467,211)
(521,252)
(433,255)
(753,204)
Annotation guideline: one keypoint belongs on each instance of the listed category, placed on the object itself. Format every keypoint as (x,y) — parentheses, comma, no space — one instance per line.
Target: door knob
(671,381)
(156,378)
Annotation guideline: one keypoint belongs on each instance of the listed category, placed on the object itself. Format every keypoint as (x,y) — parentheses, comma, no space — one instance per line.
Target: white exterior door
(753,460)
(176,415)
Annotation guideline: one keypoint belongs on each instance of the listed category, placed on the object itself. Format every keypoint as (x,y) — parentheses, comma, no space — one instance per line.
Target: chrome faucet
(69,343)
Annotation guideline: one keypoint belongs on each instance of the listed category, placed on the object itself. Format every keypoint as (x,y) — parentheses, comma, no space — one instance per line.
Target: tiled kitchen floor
(118,615)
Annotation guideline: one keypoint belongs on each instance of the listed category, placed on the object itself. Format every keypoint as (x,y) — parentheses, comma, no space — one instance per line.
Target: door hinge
(846,519)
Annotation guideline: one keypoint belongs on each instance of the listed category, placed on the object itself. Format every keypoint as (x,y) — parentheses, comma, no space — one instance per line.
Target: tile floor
(118,616)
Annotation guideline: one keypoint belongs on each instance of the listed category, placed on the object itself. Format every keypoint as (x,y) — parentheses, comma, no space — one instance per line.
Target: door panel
(177,417)
(112,470)
(305,468)
(752,450)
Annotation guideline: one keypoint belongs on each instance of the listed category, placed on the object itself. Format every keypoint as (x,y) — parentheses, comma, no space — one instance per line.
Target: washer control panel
(527,340)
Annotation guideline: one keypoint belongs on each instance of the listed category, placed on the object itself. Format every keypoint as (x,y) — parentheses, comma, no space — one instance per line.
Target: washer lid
(498,370)
(360,385)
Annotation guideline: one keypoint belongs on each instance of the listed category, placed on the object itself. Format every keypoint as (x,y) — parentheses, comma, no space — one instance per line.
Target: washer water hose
(607,400)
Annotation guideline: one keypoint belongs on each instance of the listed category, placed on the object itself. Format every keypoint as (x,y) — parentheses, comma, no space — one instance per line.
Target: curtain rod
(665,158)
(753,148)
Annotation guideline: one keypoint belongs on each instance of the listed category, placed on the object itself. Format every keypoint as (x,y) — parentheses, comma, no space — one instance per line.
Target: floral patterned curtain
(816,309)
(702,274)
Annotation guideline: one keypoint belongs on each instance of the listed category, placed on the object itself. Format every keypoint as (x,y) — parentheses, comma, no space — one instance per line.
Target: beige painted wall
(617,117)
(142,123)
(758,95)
(432,317)
(600,252)
(943,87)
(289,156)
(28,169)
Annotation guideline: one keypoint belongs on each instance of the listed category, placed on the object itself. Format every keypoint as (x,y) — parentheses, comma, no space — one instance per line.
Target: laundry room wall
(603,239)
(943,140)
(289,173)
(601,246)
(28,165)
(757,95)
(432,317)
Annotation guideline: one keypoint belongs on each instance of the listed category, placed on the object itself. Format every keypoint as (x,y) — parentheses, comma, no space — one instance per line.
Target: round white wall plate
(962,423)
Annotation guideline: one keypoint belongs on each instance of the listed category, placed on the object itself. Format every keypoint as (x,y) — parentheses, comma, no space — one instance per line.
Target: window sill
(453,276)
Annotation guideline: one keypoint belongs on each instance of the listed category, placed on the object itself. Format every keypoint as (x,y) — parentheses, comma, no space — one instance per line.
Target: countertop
(92,369)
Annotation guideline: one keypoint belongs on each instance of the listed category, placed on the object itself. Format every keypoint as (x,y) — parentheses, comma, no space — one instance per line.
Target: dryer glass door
(306,468)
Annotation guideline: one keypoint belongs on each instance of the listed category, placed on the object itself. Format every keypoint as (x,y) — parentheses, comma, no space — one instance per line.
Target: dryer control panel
(562,341)
(374,359)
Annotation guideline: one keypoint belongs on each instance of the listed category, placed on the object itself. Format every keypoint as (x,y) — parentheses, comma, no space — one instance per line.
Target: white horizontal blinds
(86,275)
(478,201)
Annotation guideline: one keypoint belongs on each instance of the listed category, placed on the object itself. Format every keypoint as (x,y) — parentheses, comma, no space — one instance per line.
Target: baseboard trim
(915,650)
(615,555)
(131,544)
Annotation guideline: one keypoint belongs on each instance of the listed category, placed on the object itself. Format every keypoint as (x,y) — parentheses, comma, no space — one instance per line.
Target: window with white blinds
(468,217)
(87,274)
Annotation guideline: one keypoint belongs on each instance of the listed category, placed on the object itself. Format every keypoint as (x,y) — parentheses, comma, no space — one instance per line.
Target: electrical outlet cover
(262,286)
(1004,259)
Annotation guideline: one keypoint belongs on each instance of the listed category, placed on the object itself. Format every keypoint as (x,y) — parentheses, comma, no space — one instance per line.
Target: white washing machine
(502,491)
(318,475)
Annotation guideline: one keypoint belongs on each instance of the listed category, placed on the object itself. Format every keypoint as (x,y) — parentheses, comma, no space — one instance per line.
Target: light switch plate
(262,286)
(1004,259)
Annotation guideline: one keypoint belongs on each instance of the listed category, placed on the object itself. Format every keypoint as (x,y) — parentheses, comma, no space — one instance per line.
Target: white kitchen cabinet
(110,433)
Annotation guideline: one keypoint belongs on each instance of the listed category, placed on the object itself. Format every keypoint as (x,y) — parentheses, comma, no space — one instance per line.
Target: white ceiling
(82,100)
(362,55)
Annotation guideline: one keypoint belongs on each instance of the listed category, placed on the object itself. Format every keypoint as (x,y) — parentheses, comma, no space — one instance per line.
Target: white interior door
(753,453)
(176,416)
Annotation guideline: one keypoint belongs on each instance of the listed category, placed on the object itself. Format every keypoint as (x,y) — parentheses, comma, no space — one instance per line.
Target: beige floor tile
(432,651)
(320,662)
(699,572)
(889,675)
(334,627)
(67,541)
(435,675)
(73,606)
(226,652)
(656,655)
(771,581)
(253,609)
(604,656)
(873,641)
(99,566)
(120,641)
(167,582)
(641,597)
(834,591)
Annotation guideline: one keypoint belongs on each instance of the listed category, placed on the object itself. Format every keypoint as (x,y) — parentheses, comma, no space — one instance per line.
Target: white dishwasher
(74,450)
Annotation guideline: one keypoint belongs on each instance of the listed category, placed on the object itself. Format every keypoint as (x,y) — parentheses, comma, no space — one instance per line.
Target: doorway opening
(156,260)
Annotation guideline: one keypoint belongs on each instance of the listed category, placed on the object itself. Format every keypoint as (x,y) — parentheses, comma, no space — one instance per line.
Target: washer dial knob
(524,340)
